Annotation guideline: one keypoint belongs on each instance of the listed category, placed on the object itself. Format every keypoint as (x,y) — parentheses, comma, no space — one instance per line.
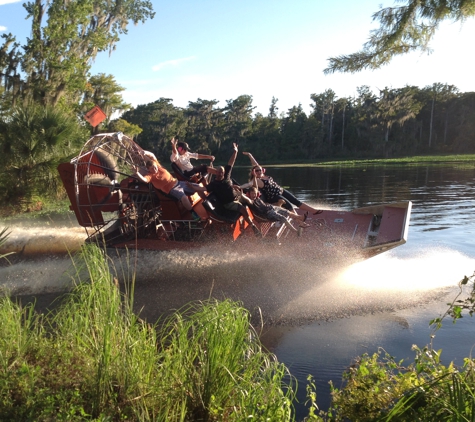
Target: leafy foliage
(402,29)
(396,122)
(379,389)
(33,141)
(53,66)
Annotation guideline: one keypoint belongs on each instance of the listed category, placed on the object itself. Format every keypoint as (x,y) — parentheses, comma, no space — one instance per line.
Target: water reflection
(418,277)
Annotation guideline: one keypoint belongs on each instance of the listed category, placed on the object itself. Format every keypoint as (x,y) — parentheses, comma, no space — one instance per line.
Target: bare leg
(306,207)
(245,214)
(186,203)
(295,216)
(300,218)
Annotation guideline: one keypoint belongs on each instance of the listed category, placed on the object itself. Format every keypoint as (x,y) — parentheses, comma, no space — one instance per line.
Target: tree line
(46,88)
(391,122)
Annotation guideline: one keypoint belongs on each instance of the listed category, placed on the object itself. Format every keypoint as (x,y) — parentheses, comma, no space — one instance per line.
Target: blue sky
(220,49)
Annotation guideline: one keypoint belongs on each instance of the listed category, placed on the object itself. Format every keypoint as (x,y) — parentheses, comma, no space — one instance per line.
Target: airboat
(118,211)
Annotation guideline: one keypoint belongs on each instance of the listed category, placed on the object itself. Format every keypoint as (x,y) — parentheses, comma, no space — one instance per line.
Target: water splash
(284,286)
(34,277)
(29,241)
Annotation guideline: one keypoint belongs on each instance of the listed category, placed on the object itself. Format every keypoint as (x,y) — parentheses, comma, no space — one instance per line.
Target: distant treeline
(390,123)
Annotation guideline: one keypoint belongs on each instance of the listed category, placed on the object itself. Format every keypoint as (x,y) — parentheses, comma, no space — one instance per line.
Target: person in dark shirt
(230,197)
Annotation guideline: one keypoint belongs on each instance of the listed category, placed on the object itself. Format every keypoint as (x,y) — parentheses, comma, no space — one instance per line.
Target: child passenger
(274,213)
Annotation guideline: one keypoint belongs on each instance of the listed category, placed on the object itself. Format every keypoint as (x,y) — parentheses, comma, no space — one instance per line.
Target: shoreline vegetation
(91,358)
(418,159)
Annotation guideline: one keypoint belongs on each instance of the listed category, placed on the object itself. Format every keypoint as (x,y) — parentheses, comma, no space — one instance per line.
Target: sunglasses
(258,170)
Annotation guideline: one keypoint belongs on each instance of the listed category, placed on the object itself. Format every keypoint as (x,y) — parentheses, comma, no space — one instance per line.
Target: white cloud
(169,63)
(2,2)
(3,28)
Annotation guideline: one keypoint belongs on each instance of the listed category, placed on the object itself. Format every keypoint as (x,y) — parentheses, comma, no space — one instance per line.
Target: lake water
(413,283)
(323,316)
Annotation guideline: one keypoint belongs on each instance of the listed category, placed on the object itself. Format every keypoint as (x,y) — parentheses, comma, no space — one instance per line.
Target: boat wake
(273,282)
(37,241)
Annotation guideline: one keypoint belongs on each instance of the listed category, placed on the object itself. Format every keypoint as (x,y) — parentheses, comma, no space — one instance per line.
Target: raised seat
(196,178)
(218,212)
(178,173)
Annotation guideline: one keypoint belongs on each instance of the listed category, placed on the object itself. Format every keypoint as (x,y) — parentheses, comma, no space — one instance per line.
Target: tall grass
(94,359)
(220,369)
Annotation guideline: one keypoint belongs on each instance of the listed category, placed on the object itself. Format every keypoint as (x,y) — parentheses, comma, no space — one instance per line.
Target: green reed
(214,367)
(94,359)
(453,160)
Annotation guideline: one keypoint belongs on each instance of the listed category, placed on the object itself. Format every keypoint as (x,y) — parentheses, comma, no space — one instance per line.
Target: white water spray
(283,286)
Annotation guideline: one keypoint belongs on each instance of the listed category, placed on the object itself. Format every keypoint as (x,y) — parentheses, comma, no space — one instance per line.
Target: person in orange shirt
(161,179)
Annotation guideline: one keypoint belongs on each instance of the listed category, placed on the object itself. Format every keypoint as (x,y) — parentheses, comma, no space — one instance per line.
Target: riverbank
(94,358)
(417,159)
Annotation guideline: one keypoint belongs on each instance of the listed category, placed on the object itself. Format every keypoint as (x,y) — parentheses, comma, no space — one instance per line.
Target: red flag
(95,116)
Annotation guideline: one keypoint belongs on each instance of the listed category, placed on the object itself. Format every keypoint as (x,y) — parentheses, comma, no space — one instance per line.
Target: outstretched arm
(246,185)
(174,155)
(149,155)
(173,141)
(137,175)
(253,160)
(232,160)
(206,157)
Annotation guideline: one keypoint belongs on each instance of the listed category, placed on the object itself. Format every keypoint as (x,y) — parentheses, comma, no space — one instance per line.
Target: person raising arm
(181,157)
(226,194)
(273,191)
(162,180)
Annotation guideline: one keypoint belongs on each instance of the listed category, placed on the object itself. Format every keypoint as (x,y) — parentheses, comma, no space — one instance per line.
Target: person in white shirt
(181,157)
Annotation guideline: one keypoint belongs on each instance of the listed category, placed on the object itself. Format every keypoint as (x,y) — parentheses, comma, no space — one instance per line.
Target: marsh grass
(4,233)
(94,359)
(221,371)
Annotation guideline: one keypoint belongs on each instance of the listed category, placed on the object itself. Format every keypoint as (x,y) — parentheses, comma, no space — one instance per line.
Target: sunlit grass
(94,359)
(4,233)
